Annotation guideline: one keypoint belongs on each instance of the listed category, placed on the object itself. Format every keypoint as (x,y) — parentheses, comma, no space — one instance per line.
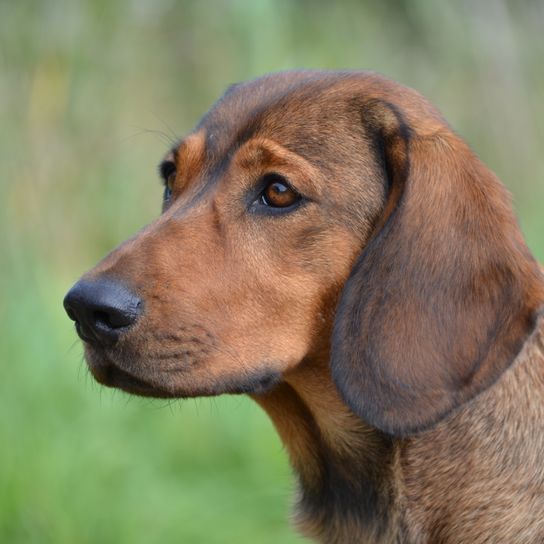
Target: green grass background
(91,93)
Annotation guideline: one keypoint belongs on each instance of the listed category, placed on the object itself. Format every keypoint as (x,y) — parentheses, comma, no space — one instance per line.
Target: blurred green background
(91,93)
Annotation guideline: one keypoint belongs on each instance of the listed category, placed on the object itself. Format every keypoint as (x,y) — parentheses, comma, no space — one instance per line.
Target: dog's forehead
(318,115)
(295,107)
(280,106)
(250,99)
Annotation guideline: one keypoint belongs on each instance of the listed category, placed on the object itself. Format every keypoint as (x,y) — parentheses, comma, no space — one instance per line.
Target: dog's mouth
(164,385)
(112,376)
(107,373)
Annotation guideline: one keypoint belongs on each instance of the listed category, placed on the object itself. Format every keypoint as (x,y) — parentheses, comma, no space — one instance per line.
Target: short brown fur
(389,326)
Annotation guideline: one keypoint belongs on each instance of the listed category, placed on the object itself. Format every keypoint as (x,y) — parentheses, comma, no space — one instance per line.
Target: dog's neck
(346,469)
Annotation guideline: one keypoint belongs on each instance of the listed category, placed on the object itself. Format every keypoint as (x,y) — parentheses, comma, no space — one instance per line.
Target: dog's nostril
(115,318)
(102,318)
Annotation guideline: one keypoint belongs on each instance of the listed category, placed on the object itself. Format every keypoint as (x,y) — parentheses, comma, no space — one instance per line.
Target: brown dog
(329,246)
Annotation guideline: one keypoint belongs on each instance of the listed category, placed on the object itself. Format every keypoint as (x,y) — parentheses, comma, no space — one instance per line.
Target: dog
(331,248)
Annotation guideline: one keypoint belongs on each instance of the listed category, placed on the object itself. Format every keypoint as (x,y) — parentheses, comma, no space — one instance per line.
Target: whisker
(165,138)
(173,136)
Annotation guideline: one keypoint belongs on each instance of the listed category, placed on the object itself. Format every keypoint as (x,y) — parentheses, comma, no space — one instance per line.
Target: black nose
(102,309)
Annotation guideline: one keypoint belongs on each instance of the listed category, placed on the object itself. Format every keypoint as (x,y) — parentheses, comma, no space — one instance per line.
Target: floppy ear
(443,296)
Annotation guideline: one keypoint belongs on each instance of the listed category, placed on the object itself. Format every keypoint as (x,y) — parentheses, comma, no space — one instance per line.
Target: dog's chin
(161,385)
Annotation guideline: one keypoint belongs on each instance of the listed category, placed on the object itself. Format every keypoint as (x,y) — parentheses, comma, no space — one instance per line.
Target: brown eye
(278,194)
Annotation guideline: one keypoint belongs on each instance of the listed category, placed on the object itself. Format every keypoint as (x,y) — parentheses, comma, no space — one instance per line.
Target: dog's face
(296,191)
(264,213)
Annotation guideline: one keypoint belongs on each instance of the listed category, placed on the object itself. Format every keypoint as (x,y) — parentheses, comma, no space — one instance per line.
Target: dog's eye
(277,193)
(169,185)
(167,171)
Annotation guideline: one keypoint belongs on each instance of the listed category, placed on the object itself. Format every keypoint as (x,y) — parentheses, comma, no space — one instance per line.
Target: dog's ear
(443,296)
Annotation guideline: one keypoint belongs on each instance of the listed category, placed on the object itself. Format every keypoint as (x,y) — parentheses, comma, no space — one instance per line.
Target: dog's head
(311,206)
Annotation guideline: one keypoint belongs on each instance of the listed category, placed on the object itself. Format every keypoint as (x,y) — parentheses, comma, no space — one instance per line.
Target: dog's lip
(110,375)
(108,372)
(131,384)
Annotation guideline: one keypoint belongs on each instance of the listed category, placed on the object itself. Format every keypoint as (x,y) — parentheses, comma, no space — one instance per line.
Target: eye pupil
(279,195)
